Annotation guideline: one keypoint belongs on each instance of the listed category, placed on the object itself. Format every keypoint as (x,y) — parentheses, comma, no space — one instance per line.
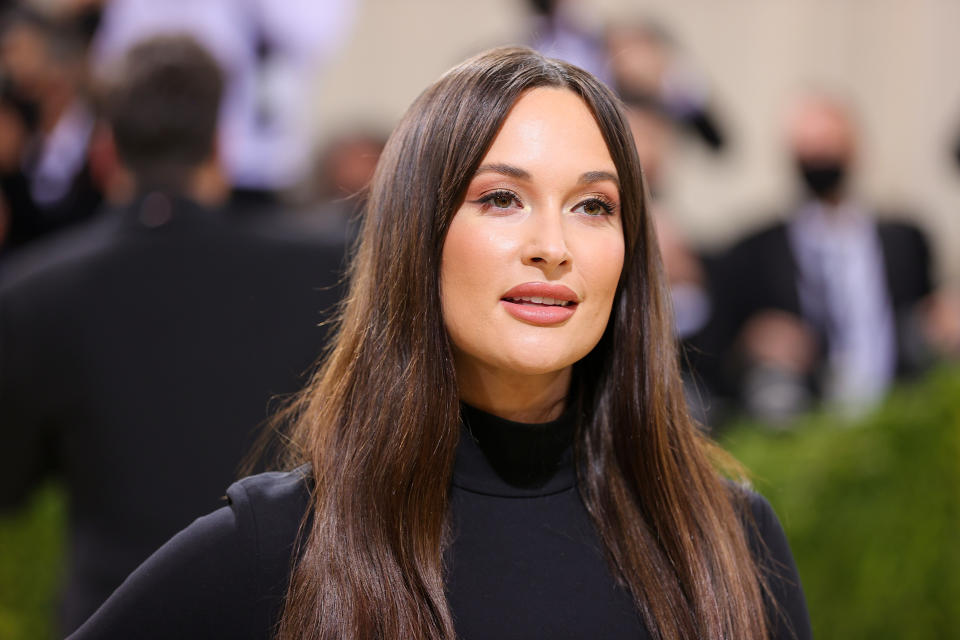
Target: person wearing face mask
(819,305)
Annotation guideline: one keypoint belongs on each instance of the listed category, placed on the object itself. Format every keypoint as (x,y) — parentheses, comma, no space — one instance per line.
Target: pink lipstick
(540,303)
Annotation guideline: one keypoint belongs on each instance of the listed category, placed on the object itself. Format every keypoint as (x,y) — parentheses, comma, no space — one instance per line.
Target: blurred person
(346,165)
(330,201)
(86,14)
(653,135)
(558,30)
(49,186)
(337,192)
(647,65)
(271,52)
(685,269)
(819,304)
(14,197)
(139,351)
(496,445)
(666,97)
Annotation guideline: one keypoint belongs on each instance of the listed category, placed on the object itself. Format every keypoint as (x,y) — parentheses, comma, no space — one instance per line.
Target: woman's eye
(500,200)
(594,207)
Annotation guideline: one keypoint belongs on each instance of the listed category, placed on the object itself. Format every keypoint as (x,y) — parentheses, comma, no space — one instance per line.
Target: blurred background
(803,163)
(892,60)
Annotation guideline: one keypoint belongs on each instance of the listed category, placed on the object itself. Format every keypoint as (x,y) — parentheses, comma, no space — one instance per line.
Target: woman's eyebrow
(599,176)
(505,169)
(522,174)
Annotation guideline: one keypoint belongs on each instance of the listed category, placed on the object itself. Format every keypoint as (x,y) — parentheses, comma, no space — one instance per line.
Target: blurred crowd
(170,242)
(829,304)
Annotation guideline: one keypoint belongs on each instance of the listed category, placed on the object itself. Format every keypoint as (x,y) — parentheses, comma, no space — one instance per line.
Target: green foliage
(872,511)
(31,562)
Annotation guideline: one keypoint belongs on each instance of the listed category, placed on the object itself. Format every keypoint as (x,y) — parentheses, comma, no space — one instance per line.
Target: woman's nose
(546,246)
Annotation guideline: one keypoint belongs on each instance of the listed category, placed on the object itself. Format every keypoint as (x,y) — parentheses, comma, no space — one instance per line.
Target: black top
(525,561)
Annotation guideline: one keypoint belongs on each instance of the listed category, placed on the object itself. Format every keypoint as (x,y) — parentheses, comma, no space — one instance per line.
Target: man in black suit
(822,303)
(139,353)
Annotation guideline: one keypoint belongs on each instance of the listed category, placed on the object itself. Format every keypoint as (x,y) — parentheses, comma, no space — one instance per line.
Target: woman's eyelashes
(596,206)
(503,200)
(500,200)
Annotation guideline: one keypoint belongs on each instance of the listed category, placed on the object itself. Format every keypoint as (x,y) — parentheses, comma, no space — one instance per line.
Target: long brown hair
(379,422)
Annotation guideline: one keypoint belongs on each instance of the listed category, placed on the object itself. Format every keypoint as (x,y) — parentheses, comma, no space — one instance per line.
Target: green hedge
(872,510)
(31,563)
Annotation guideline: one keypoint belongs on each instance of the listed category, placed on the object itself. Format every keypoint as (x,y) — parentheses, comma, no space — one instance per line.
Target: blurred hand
(941,322)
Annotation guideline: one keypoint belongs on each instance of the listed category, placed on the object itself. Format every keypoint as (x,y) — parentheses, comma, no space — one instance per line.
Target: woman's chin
(536,364)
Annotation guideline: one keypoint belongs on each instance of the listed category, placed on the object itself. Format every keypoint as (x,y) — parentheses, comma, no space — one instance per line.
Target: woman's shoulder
(765,534)
(272,498)
(223,576)
(269,509)
(769,545)
(761,511)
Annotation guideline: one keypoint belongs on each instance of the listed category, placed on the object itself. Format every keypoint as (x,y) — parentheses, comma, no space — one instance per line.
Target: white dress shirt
(843,291)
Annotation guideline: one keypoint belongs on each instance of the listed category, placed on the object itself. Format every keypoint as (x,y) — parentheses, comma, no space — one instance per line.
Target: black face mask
(543,7)
(822,178)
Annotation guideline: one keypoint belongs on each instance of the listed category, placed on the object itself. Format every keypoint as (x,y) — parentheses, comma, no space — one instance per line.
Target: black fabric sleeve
(787,612)
(200,584)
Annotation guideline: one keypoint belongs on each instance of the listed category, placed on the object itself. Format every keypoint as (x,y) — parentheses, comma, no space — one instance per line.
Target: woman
(497,443)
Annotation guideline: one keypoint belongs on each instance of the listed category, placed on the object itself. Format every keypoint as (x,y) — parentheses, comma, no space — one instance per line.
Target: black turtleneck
(524,559)
(500,456)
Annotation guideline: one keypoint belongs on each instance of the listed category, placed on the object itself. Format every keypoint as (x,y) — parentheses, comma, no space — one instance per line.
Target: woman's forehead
(553,130)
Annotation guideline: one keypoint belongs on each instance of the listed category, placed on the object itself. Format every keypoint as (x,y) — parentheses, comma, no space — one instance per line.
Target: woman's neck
(514,396)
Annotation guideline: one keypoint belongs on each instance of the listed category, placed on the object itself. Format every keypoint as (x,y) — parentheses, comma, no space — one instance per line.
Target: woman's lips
(540,303)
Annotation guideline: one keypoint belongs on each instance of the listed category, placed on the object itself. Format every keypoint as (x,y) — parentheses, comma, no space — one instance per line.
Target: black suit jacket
(138,356)
(760,273)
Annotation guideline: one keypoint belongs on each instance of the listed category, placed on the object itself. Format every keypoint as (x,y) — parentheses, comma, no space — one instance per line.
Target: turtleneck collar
(500,457)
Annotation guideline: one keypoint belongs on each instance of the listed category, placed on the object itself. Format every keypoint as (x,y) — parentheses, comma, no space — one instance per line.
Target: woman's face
(532,258)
